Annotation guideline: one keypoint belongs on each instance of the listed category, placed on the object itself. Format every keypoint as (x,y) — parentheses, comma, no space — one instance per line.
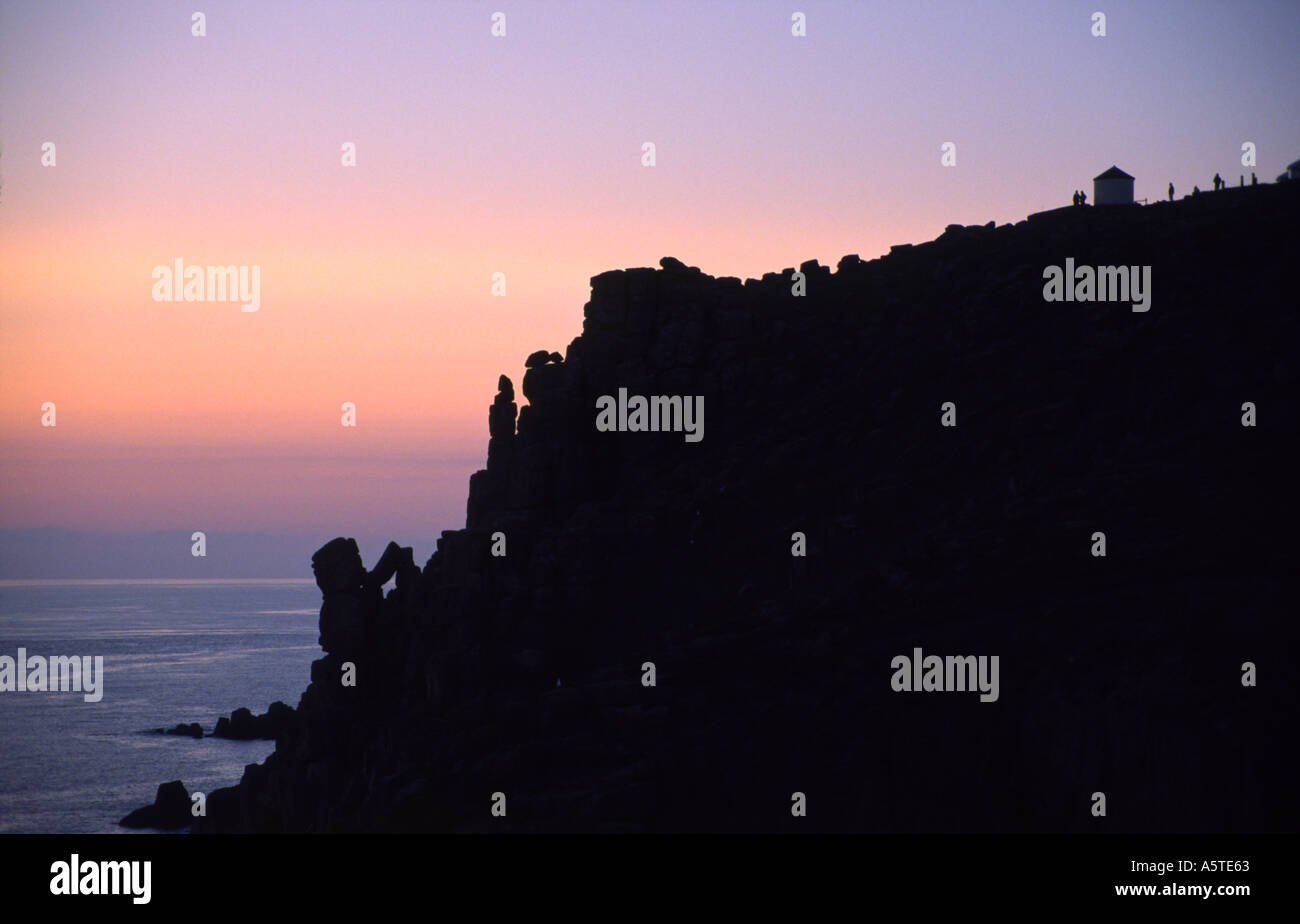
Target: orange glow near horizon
(520,155)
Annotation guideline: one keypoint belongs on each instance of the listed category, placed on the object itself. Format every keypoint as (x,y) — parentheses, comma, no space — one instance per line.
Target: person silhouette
(1253,181)
(1196,191)
(1171,192)
(1083,197)
(1074,199)
(1218,182)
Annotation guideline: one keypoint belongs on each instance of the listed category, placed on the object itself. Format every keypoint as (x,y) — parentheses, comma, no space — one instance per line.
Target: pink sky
(520,155)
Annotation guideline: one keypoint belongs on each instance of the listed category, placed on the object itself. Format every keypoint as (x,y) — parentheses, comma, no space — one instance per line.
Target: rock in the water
(170,809)
(192,730)
(242,725)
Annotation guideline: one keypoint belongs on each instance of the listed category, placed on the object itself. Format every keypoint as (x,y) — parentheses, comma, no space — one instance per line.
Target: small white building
(1114,187)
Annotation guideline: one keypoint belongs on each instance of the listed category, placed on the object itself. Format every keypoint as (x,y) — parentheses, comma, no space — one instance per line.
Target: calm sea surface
(174,651)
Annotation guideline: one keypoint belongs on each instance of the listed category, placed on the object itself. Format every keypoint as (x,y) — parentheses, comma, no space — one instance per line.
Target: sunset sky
(519,155)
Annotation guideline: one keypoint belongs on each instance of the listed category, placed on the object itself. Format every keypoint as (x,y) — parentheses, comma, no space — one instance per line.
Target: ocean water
(174,651)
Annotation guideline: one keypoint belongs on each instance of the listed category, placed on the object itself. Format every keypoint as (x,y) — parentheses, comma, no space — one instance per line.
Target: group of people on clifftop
(1081,198)
(1219,183)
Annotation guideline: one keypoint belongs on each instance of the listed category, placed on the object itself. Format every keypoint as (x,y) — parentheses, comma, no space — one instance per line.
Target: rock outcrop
(626,553)
(190,730)
(170,809)
(242,725)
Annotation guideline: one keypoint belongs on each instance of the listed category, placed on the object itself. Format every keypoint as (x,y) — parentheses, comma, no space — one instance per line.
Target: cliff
(523,673)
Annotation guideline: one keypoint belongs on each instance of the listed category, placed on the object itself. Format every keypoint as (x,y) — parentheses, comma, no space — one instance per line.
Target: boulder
(337,566)
(543,381)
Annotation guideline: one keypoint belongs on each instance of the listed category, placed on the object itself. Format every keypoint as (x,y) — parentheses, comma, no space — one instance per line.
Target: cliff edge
(514,662)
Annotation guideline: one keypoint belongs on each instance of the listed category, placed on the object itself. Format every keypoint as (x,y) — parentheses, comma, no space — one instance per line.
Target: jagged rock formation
(522,674)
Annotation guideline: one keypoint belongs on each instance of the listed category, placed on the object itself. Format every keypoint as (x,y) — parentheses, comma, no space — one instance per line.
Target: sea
(175,651)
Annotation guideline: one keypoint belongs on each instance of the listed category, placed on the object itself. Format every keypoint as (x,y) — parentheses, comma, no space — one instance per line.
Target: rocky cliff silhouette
(523,674)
